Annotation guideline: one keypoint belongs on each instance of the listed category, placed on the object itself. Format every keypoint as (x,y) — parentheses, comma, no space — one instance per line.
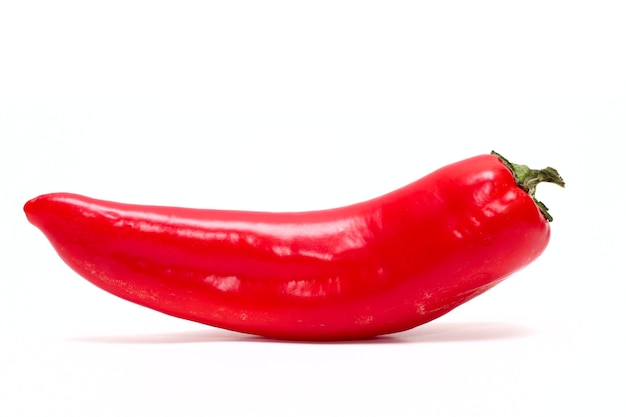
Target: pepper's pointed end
(40,208)
(33,208)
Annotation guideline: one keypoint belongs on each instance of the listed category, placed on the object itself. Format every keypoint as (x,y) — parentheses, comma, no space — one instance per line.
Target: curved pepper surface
(376,267)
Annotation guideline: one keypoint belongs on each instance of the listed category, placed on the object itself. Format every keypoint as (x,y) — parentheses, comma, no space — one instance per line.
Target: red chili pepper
(376,267)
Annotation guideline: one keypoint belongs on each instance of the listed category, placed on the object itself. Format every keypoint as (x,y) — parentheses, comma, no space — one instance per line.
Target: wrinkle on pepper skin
(312,288)
(229,283)
(500,204)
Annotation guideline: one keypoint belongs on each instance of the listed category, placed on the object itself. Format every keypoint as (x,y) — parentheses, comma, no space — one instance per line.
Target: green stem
(528,179)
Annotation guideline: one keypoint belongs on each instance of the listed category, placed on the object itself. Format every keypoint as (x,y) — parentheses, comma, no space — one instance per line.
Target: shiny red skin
(376,267)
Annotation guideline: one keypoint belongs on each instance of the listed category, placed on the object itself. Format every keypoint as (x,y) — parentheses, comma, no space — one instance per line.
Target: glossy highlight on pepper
(376,267)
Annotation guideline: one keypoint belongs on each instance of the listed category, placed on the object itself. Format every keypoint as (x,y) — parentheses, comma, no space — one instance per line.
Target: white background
(288,105)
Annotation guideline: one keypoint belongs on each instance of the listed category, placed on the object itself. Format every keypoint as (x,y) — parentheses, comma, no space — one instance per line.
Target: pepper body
(376,267)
